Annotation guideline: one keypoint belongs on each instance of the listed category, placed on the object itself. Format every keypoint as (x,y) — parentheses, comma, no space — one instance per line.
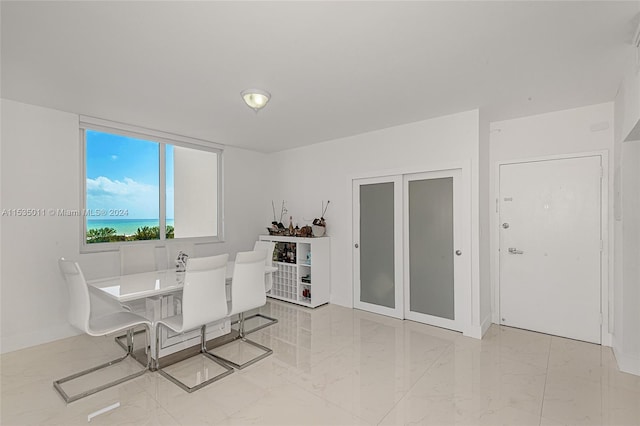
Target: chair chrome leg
(203,351)
(241,327)
(129,341)
(118,339)
(267,352)
(70,398)
(241,337)
(260,327)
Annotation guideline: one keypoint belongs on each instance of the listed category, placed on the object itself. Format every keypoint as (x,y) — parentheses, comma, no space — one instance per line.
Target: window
(147,185)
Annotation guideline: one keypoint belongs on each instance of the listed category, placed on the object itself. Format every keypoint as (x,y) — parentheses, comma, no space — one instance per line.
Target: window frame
(163,139)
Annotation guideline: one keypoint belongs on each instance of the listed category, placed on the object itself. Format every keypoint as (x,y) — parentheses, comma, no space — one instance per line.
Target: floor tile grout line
(416,382)
(169,414)
(546,376)
(335,405)
(298,386)
(314,395)
(320,360)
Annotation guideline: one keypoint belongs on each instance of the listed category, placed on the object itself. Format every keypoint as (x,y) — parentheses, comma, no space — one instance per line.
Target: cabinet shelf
(289,281)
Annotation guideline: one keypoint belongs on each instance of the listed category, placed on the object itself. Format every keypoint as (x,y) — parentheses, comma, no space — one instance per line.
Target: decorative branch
(321,221)
(324,209)
(283,211)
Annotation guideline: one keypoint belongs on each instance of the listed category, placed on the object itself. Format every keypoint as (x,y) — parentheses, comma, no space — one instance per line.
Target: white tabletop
(125,288)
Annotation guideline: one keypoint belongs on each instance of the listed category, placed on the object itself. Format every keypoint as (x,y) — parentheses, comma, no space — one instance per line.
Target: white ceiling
(334,68)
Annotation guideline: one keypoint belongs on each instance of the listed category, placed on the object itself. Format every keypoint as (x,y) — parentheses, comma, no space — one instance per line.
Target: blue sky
(123,173)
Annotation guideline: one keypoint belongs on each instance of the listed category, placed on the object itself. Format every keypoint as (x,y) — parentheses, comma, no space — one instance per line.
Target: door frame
(606,291)
(466,195)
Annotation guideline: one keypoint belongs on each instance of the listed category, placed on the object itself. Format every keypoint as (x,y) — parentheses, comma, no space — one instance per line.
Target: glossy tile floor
(334,365)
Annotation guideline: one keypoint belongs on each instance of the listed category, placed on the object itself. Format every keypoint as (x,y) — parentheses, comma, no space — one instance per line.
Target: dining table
(126,288)
(160,291)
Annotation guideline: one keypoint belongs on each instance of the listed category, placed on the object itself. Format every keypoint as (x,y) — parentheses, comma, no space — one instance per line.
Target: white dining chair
(247,292)
(107,323)
(269,247)
(204,301)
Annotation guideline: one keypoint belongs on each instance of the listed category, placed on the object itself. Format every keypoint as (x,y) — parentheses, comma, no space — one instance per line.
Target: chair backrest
(79,302)
(247,287)
(138,258)
(204,298)
(269,247)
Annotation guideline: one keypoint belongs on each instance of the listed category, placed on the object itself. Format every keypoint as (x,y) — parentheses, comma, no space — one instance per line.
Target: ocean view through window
(123,181)
(139,188)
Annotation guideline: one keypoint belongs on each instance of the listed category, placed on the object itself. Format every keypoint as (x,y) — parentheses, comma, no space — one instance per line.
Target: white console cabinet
(304,270)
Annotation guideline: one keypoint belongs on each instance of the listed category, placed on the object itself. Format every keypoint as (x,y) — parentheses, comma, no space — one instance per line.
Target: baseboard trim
(17,341)
(473,331)
(627,363)
(476,331)
(486,324)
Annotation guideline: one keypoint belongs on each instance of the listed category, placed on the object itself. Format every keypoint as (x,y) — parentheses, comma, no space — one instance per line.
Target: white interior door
(377,247)
(550,246)
(432,249)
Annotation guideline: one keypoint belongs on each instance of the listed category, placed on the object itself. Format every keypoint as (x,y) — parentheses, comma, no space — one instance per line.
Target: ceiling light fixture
(255,99)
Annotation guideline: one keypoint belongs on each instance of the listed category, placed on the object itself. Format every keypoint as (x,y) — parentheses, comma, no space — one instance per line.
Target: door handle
(513,250)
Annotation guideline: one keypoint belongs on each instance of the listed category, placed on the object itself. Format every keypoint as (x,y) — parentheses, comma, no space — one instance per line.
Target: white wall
(626,332)
(40,155)
(306,176)
(41,169)
(628,349)
(628,96)
(571,131)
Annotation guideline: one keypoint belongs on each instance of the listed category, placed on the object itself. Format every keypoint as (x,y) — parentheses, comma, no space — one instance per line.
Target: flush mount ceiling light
(256,99)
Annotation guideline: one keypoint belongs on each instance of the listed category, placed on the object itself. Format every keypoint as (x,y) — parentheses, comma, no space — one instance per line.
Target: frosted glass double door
(407,247)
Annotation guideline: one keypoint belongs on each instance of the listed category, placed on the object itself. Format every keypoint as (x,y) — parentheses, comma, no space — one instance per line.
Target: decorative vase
(318,231)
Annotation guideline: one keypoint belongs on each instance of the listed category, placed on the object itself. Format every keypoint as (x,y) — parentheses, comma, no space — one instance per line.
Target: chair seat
(115,322)
(174,323)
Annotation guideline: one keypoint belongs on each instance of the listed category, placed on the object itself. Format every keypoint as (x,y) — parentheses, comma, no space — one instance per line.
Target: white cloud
(114,157)
(127,187)
(139,200)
